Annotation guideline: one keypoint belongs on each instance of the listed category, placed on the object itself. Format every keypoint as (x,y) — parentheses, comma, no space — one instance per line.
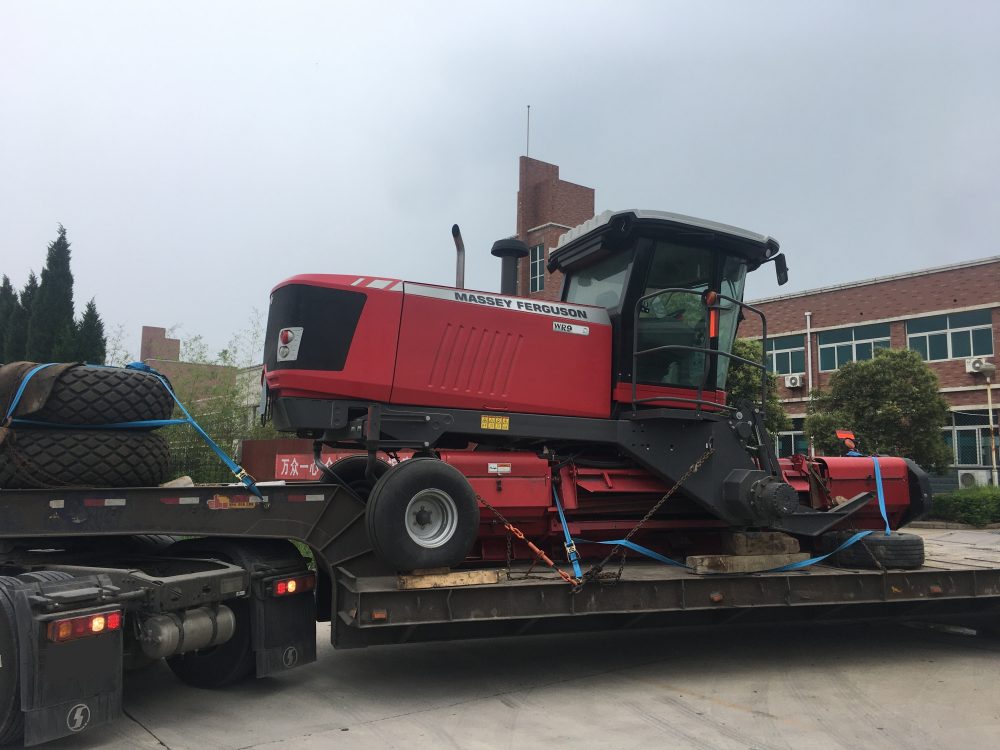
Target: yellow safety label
(492,422)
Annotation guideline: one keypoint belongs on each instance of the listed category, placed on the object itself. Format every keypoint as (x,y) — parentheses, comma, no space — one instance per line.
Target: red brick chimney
(546,208)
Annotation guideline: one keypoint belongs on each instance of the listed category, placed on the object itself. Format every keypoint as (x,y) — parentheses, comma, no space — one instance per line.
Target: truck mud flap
(68,687)
(284,635)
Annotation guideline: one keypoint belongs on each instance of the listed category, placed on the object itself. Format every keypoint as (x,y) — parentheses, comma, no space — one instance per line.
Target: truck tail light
(59,631)
(297,585)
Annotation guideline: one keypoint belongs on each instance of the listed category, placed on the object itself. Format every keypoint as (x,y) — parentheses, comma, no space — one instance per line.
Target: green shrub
(977,506)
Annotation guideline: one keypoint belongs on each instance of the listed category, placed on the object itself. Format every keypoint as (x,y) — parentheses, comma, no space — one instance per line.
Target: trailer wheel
(220,665)
(11,716)
(352,471)
(877,551)
(96,458)
(105,395)
(422,513)
(235,659)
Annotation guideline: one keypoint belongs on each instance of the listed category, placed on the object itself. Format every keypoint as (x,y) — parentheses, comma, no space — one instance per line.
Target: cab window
(677,319)
(601,283)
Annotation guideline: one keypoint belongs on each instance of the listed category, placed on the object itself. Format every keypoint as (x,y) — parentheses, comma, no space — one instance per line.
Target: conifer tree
(65,348)
(15,335)
(8,301)
(52,309)
(91,344)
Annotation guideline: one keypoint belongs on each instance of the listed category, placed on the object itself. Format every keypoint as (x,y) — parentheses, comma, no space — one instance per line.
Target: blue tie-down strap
(571,553)
(238,471)
(881,496)
(653,555)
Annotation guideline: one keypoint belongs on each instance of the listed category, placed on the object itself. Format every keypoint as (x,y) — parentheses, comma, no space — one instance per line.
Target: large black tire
(352,472)
(235,659)
(11,716)
(422,513)
(220,665)
(105,395)
(84,458)
(876,551)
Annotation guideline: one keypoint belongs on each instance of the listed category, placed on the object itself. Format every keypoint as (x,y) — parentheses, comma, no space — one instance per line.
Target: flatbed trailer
(84,554)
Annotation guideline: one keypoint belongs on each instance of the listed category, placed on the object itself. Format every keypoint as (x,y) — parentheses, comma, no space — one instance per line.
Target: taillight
(297,585)
(72,628)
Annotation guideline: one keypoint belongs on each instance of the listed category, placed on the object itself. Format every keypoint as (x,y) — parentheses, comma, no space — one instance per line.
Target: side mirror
(781,269)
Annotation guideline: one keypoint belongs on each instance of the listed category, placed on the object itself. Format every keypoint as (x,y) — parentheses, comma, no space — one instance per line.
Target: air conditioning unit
(979,364)
(794,381)
(973,478)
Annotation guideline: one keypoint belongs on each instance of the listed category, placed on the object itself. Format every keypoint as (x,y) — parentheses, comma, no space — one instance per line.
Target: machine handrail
(700,401)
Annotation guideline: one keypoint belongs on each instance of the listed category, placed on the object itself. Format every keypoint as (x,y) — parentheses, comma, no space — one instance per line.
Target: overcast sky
(200,152)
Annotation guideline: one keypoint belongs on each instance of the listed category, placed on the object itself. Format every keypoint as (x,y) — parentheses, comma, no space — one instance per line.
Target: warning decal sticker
(494,422)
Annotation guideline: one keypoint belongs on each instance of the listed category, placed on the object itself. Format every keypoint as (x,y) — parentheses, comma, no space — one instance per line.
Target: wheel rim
(431,518)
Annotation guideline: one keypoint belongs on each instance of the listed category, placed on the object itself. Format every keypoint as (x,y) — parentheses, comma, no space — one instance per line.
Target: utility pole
(989,370)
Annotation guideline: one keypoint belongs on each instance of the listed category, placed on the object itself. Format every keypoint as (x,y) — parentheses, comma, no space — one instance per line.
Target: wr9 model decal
(570,328)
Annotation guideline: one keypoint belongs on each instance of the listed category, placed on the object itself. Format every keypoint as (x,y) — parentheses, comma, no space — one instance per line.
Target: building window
(837,348)
(536,268)
(786,354)
(952,336)
(791,442)
(968,436)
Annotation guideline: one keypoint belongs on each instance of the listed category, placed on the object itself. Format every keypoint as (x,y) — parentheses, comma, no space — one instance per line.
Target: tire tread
(40,458)
(105,395)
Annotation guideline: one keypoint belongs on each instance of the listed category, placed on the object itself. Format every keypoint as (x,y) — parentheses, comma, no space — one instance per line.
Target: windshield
(677,320)
(600,283)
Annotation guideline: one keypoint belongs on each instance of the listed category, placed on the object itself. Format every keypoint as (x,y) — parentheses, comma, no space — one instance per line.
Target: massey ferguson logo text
(520,304)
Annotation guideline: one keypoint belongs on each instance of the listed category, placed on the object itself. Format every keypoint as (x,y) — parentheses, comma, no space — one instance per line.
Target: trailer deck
(960,581)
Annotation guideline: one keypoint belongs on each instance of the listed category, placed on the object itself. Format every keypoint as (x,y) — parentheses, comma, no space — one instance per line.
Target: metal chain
(536,551)
(596,569)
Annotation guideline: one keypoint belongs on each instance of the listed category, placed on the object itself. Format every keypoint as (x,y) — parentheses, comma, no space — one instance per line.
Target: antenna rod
(456,234)
(527,145)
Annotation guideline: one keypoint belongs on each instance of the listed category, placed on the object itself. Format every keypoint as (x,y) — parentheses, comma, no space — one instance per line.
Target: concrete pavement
(762,689)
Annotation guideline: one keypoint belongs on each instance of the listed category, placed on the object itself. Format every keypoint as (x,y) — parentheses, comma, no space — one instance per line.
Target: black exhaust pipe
(509,251)
(456,234)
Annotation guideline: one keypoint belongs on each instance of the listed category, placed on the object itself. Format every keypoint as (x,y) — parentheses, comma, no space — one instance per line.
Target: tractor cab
(673,289)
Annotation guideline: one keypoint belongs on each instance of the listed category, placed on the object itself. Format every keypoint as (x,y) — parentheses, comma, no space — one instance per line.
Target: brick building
(195,381)
(949,314)
(546,208)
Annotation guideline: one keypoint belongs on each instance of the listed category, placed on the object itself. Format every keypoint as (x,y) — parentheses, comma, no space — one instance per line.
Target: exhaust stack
(456,235)
(509,251)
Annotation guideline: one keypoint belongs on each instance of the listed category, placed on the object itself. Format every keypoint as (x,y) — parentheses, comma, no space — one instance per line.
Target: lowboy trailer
(93,582)
(539,431)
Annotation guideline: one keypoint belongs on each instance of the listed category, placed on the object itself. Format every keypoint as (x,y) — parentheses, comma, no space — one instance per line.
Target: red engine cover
(437,346)
(473,350)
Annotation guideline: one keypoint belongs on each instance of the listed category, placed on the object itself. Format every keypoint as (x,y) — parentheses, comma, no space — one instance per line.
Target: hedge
(977,506)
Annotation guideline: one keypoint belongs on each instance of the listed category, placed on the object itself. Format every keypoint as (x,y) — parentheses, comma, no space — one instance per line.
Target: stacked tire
(72,453)
(877,551)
